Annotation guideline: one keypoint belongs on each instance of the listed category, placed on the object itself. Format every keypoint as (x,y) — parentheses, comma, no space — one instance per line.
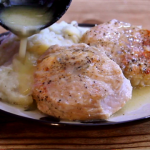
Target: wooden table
(22,133)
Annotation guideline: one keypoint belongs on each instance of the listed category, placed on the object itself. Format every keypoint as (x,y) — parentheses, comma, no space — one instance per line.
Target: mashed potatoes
(63,34)
(16,77)
(9,87)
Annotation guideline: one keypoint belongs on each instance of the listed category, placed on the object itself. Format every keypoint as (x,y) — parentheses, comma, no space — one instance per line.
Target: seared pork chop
(127,45)
(79,83)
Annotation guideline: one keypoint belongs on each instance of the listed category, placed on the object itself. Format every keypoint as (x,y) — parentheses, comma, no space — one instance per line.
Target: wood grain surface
(20,133)
(136,12)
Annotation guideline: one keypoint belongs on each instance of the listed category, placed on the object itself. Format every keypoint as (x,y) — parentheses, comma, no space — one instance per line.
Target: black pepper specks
(59,100)
(49,81)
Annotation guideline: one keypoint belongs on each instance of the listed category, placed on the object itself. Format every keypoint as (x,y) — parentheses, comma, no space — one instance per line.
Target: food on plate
(79,82)
(16,77)
(68,80)
(127,45)
(63,34)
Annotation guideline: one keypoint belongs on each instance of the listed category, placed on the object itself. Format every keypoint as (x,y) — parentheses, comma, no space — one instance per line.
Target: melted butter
(25,72)
(140,97)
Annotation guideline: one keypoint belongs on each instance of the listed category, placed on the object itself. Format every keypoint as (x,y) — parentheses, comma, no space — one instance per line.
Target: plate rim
(63,123)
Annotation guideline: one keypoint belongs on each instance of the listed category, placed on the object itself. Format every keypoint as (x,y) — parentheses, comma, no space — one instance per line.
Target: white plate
(138,108)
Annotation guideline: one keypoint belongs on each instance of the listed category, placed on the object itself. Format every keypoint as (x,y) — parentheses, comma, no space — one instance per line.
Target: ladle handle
(5,3)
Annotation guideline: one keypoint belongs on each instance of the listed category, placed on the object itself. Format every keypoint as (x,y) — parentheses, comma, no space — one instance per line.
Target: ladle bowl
(56,7)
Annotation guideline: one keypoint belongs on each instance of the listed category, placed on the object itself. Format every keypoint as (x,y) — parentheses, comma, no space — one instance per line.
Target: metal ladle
(53,9)
(56,7)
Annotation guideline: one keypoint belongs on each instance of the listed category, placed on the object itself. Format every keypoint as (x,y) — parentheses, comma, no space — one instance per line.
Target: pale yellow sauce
(140,97)
(22,49)
(25,72)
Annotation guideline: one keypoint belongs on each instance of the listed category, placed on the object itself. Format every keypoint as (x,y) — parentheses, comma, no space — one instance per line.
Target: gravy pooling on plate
(140,98)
